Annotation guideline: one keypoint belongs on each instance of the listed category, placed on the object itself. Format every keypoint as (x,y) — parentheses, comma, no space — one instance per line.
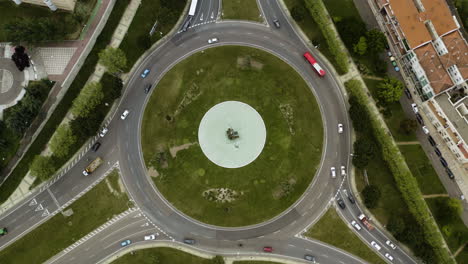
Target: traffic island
(234,194)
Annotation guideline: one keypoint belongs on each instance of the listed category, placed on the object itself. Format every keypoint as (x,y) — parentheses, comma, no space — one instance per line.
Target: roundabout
(231,136)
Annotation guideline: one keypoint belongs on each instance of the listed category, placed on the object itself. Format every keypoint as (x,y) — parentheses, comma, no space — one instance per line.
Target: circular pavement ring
(232,134)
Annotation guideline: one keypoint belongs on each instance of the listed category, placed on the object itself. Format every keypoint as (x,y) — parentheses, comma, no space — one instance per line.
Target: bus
(314,64)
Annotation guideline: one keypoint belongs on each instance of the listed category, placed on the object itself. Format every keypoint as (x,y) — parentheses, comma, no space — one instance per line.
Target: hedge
(405,181)
(319,13)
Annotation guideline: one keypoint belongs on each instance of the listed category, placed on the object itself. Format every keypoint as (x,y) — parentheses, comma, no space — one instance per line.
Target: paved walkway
(408,143)
(435,195)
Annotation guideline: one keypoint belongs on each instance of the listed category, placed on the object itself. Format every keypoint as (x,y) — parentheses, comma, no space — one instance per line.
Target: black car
(431,140)
(341,203)
(437,151)
(189,241)
(408,93)
(96,146)
(443,162)
(420,119)
(450,173)
(351,199)
(147,88)
(276,23)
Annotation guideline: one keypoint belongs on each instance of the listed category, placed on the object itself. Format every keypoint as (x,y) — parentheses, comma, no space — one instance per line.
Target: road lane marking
(53,198)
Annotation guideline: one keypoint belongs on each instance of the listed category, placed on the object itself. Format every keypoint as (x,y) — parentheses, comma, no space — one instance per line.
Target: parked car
(394,64)
(212,40)
(145,73)
(268,249)
(408,93)
(389,257)
(340,128)
(276,23)
(103,132)
(431,140)
(189,241)
(390,244)
(415,108)
(96,146)
(150,237)
(425,130)
(443,162)
(343,171)
(356,225)
(333,172)
(450,173)
(341,203)
(375,245)
(125,243)
(3,231)
(147,88)
(309,258)
(392,59)
(437,151)
(420,119)
(389,54)
(124,114)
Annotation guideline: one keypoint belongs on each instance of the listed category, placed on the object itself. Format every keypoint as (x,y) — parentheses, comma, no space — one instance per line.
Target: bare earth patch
(248,63)
(221,195)
(176,149)
(189,96)
(288,114)
(152,172)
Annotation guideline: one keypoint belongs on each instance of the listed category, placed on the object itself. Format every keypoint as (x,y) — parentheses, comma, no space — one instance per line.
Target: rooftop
(440,15)
(458,52)
(434,67)
(455,114)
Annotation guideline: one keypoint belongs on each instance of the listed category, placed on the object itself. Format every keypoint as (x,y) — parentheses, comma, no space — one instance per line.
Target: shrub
(371,194)
(364,151)
(298,12)
(88,99)
(42,167)
(62,141)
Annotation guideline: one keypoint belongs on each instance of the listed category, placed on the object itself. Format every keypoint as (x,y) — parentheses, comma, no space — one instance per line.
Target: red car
(268,249)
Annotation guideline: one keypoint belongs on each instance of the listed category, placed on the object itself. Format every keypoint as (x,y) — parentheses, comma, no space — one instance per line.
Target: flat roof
(434,68)
(452,114)
(440,15)
(458,52)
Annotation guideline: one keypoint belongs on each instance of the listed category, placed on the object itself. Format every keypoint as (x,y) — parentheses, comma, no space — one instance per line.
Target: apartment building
(434,55)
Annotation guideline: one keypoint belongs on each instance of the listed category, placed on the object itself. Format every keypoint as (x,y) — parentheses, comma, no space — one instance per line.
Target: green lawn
(397,115)
(241,9)
(422,169)
(161,255)
(89,212)
(332,230)
(458,232)
(463,256)
(288,161)
(137,40)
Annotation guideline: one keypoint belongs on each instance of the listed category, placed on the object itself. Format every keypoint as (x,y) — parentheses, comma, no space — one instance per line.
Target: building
(434,55)
(68,5)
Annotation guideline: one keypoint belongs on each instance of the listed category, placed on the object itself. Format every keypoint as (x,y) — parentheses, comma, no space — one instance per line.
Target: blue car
(145,73)
(125,243)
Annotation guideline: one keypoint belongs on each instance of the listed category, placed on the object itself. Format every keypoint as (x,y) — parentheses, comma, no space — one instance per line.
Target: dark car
(341,203)
(189,241)
(147,88)
(450,173)
(437,151)
(443,162)
(420,119)
(276,23)
(96,146)
(408,93)
(309,258)
(351,199)
(431,140)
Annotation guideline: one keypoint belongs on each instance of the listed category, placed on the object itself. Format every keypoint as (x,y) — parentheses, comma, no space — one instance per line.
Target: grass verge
(89,212)
(162,255)
(332,230)
(241,9)
(10,185)
(265,187)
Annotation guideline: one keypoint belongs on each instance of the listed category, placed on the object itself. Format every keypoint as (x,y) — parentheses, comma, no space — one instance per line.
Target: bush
(34,30)
(298,12)
(62,141)
(371,194)
(42,167)
(364,151)
(351,29)
(87,100)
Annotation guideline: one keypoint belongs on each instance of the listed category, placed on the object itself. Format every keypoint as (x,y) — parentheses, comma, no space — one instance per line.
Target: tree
(86,102)
(376,41)
(42,167)
(364,151)
(298,12)
(454,207)
(360,48)
(359,115)
(396,225)
(28,30)
(62,141)
(351,30)
(371,194)
(114,59)
(218,260)
(408,125)
(389,90)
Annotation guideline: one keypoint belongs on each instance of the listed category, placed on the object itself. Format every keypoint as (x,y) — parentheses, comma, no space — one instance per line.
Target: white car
(103,132)
(333,172)
(356,225)
(150,237)
(124,114)
(390,244)
(375,245)
(340,128)
(415,108)
(212,40)
(389,257)
(425,130)
(343,171)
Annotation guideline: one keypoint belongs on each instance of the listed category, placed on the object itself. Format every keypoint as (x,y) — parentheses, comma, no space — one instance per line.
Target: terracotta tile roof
(434,68)
(458,52)
(440,15)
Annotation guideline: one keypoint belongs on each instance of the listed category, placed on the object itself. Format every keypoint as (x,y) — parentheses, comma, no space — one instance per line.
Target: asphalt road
(122,144)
